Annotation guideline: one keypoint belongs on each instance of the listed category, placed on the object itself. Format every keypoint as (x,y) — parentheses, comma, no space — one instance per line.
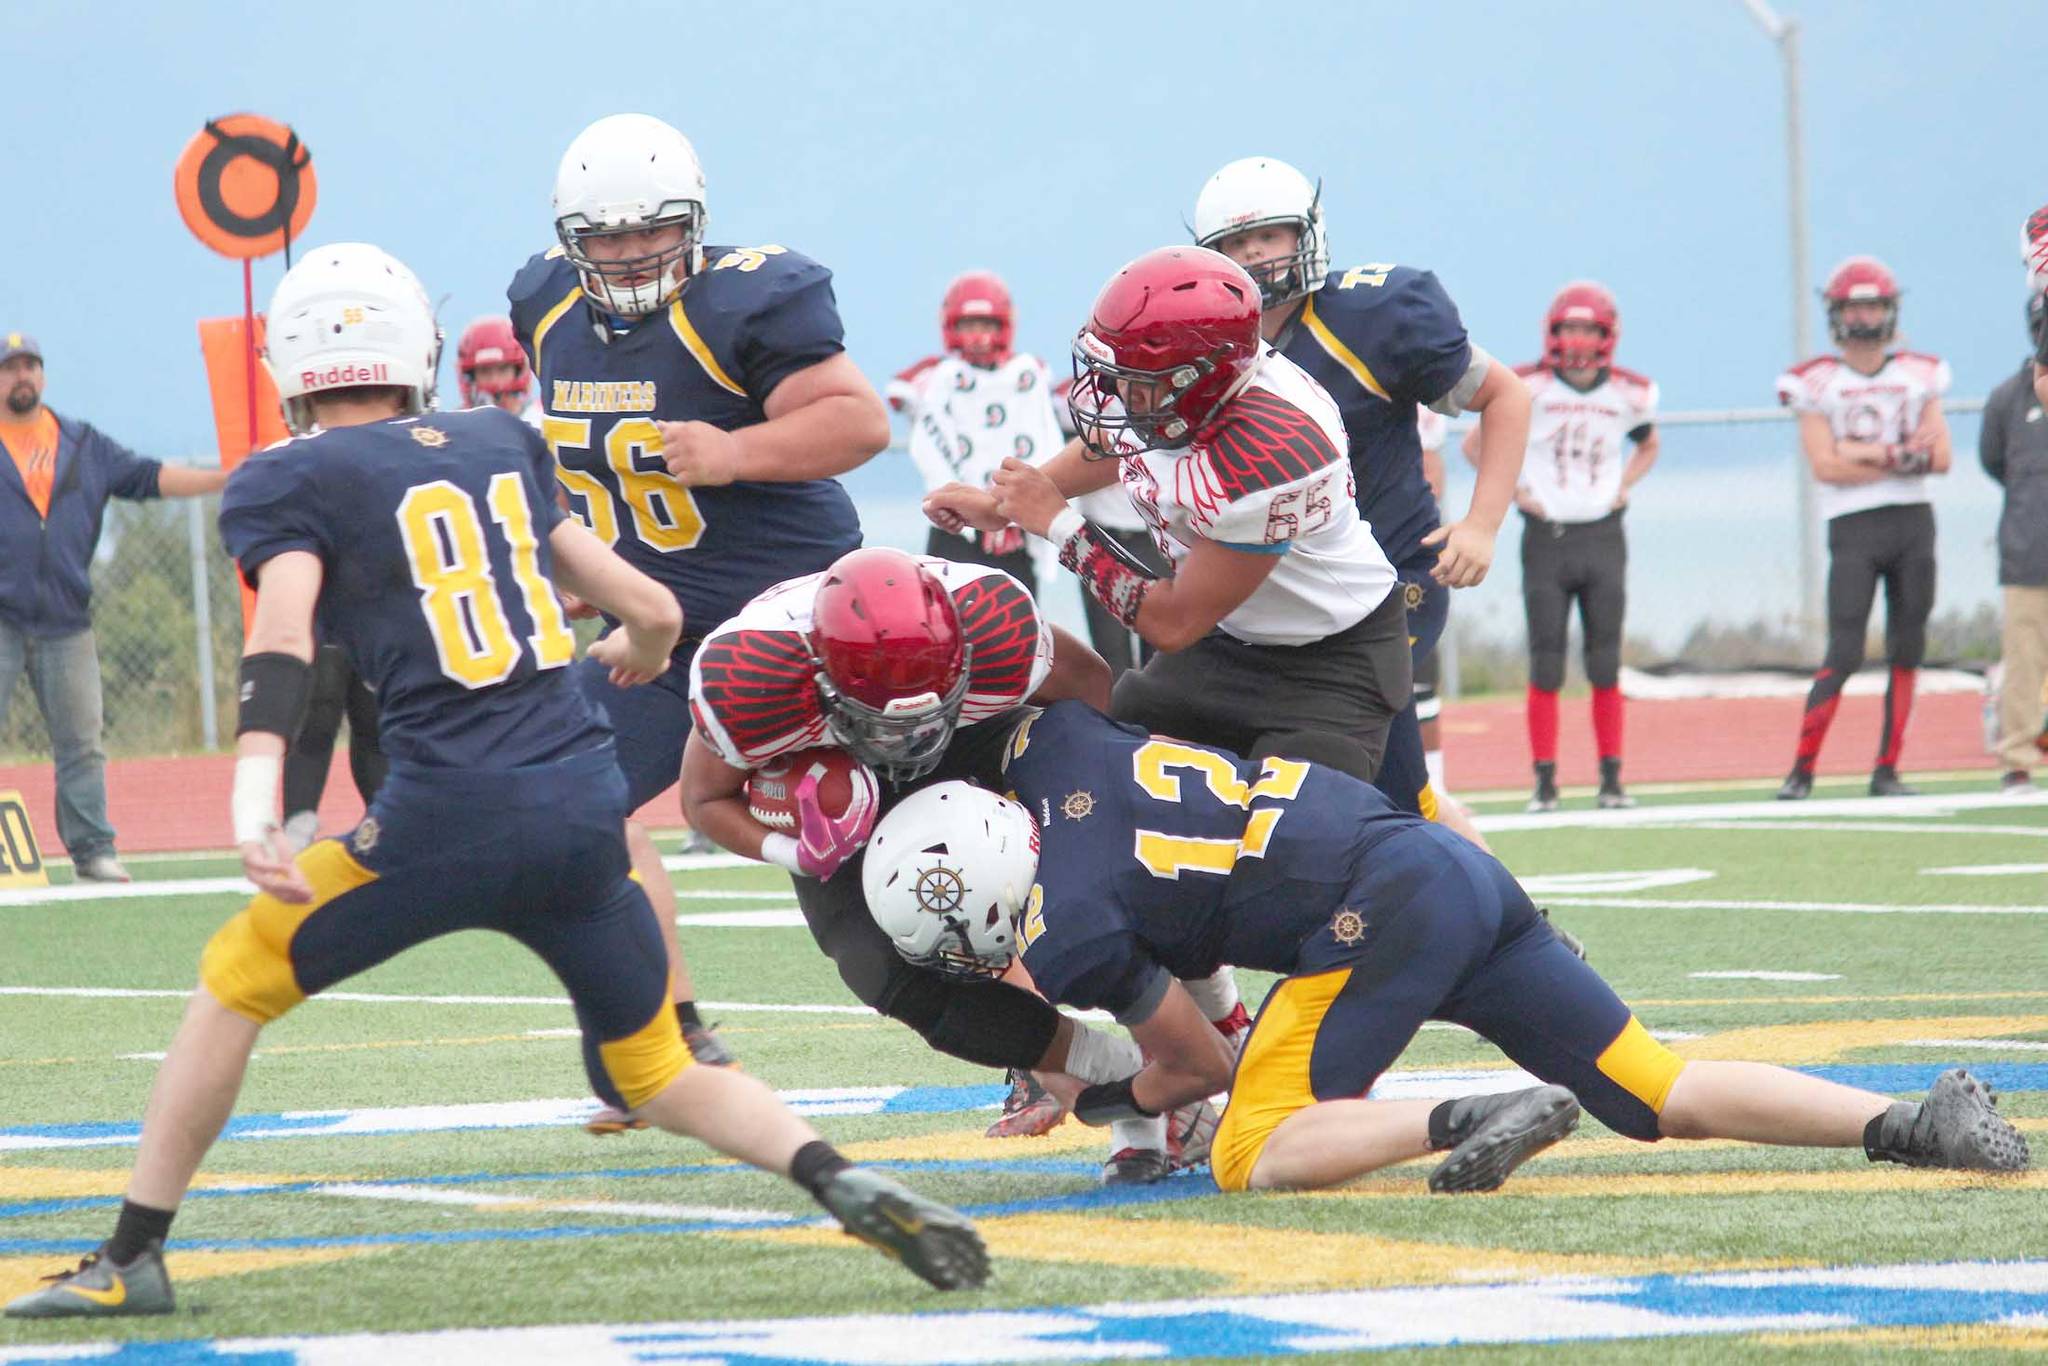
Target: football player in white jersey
(970,408)
(1576,476)
(1870,420)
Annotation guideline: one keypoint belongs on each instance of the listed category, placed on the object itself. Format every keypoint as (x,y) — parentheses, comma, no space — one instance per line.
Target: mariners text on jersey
(432,534)
(750,319)
(1384,339)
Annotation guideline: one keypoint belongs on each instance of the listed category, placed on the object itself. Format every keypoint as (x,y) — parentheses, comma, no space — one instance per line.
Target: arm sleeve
(267,509)
(128,474)
(795,325)
(1428,350)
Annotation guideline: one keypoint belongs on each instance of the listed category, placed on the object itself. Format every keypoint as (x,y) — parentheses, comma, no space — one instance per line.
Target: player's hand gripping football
(824,842)
(956,507)
(1464,556)
(632,659)
(698,454)
(268,863)
(1026,495)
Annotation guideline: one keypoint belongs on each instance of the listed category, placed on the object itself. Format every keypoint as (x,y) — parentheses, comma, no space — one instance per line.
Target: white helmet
(1258,191)
(350,315)
(948,870)
(628,173)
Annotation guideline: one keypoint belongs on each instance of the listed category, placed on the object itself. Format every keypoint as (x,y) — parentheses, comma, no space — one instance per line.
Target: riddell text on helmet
(334,376)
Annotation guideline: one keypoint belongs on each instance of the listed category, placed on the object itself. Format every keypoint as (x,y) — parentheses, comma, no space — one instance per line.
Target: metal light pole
(1785,33)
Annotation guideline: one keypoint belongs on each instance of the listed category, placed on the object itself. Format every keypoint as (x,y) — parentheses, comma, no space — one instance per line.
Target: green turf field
(418,1196)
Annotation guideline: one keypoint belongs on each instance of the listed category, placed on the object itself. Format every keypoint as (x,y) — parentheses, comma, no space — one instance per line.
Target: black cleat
(101,1289)
(1493,1135)
(1136,1167)
(1545,798)
(1612,797)
(1029,1111)
(1797,787)
(1884,782)
(1958,1126)
(937,1243)
(1564,936)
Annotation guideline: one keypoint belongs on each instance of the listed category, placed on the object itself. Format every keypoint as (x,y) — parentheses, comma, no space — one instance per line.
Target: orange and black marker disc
(245,186)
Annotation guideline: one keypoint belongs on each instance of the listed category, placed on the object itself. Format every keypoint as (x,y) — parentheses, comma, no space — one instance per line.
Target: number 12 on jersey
(1167,855)
(460,597)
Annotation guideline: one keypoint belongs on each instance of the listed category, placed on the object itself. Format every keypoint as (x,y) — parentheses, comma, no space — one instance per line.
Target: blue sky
(1507,146)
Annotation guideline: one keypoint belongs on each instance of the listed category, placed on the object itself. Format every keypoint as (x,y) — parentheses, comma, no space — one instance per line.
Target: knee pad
(1327,748)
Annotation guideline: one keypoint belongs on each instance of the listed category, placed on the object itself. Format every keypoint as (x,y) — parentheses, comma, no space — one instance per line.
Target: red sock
(1542,725)
(1821,702)
(1898,705)
(1607,722)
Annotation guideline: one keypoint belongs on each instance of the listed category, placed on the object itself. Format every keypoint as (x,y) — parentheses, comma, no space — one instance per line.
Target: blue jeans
(65,673)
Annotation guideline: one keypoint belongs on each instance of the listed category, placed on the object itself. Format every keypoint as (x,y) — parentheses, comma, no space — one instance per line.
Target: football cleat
(937,1243)
(99,1288)
(1612,797)
(707,1047)
(1884,782)
(1797,787)
(1492,1135)
(1545,798)
(1029,1111)
(1958,1126)
(1136,1167)
(1190,1132)
(608,1121)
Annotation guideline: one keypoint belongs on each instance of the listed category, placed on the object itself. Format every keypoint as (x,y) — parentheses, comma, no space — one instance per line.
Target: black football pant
(1893,545)
(1562,561)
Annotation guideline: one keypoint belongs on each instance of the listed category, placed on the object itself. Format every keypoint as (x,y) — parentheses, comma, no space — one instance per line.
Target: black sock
(1873,1136)
(138,1226)
(1440,1127)
(686,1014)
(814,1164)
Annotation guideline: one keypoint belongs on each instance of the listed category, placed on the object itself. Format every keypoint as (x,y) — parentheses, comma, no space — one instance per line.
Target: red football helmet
(892,660)
(1862,279)
(1174,333)
(978,294)
(490,341)
(1581,301)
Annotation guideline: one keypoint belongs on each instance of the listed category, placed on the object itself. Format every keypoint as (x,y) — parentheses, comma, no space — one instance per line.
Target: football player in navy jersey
(429,546)
(1124,861)
(698,400)
(1382,339)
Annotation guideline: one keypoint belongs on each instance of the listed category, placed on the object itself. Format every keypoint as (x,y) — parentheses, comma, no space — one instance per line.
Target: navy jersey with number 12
(751,318)
(432,534)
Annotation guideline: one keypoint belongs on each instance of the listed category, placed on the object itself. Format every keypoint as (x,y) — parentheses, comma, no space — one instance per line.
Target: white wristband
(1065,526)
(254,801)
(780,850)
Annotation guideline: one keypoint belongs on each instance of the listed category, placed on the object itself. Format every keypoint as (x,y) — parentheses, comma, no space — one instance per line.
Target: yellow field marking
(971,1145)
(1945,1337)
(1827,1040)
(1865,1181)
(70,1183)
(19,1275)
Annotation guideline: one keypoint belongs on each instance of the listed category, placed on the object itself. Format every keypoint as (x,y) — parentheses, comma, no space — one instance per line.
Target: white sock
(1433,762)
(1215,996)
(1138,1133)
(1096,1055)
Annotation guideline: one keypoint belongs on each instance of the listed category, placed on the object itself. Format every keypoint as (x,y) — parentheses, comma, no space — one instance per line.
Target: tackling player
(1870,419)
(1382,339)
(431,545)
(1573,489)
(968,409)
(1126,861)
(491,369)
(698,400)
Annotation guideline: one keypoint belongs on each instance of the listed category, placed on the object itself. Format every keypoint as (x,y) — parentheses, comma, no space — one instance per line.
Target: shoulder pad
(1814,366)
(1001,627)
(916,368)
(1530,369)
(1629,376)
(756,272)
(1265,442)
(544,276)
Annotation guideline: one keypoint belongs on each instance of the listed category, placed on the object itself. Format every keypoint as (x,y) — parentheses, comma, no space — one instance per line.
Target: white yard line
(1848,907)
(1987,870)
(2019,1045)
(1861,827)
(1852,808)
(475,1199)
(1766,975)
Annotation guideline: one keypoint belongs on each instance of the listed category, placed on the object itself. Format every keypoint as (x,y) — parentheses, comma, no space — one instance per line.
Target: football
(771,791)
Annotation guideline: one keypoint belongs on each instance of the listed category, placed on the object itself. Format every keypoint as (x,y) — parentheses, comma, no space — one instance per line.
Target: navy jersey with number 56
(1384,339)
(1162,858)
(432,534)
(751,318)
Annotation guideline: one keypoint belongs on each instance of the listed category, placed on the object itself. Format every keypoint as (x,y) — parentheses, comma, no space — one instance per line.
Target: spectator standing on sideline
(53,497)
(2013,447)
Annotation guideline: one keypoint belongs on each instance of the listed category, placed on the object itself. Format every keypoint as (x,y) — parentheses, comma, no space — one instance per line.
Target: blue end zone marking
(927,1100)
